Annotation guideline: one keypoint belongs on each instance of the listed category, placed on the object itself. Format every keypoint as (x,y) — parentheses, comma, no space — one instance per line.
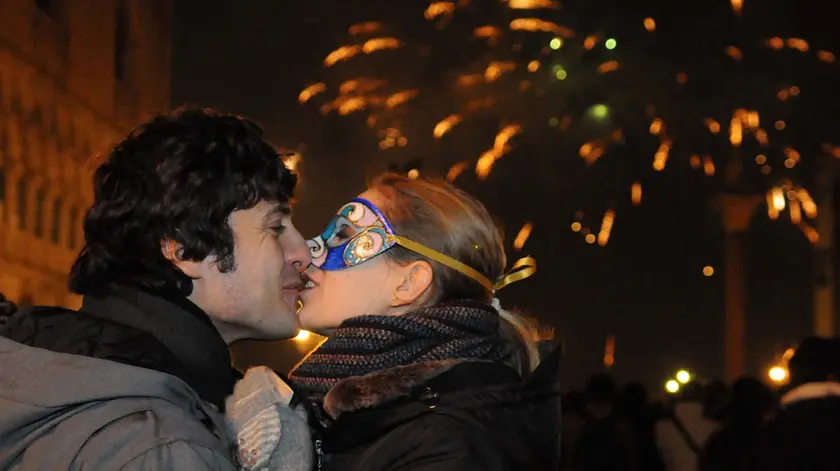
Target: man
(806,432)
(189,247)
(606,440)
(682,434)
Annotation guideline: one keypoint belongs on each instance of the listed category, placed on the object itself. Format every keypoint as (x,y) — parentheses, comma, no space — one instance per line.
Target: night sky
(646,286)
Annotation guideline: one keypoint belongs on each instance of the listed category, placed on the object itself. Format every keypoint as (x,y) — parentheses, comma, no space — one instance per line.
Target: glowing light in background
(456,170)
(437,9)
(606,227)
(708,270)
(672,386)
(512,84)
(636,193)
(609,351)
(532,4)
(599,111)
(523,236)
(777,374)
(311,91)
(683,376)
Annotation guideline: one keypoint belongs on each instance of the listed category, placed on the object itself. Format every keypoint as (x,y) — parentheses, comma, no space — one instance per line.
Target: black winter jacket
(804,435)
(444,416)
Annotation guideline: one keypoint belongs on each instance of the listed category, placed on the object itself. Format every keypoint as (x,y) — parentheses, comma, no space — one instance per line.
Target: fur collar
(379,387)
(812,391)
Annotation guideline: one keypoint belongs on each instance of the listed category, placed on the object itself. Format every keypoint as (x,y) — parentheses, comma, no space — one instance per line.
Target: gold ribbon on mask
(523,268)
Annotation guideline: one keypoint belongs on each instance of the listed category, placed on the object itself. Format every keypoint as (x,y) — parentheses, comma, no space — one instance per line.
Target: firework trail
(613,97)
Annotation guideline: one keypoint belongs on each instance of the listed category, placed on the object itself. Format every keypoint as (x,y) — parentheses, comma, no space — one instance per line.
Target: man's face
(258,298)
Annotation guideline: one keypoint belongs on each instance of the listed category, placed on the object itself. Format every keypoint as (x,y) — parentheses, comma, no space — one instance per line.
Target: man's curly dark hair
(177,177)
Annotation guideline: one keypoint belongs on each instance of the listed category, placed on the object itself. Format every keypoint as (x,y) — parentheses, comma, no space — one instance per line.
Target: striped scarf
(371,343)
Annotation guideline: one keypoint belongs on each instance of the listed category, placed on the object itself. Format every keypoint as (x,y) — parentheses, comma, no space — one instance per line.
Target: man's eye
(278,229)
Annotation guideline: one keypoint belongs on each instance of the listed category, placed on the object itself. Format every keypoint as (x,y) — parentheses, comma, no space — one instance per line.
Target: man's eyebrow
(283,209)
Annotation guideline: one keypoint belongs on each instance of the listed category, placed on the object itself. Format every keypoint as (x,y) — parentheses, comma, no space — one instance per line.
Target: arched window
(55,227)
(75,220)
(45,6)
(40,202)
(121,40)
(2,195)
(22,202)
(37,116)
(16,104)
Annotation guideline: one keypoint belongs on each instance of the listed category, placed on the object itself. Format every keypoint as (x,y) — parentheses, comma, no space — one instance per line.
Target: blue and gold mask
(357,233)
(360,231)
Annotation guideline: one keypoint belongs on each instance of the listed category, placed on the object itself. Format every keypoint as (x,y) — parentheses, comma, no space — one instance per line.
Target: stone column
(736,211)
(824,311)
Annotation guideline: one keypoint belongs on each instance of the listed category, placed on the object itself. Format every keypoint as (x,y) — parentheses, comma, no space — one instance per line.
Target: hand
(270,435)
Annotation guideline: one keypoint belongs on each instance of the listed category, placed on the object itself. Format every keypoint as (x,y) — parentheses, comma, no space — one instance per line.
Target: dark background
(646,287)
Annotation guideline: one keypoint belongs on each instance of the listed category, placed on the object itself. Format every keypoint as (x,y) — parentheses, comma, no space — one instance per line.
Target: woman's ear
(417,282)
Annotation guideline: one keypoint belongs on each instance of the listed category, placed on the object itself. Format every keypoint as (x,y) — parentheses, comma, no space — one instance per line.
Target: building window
(37,116)
(55,228)
(38,222)
(2,195)
(22,203)
(75,220)
(44,5)
(16,104)
(121,40)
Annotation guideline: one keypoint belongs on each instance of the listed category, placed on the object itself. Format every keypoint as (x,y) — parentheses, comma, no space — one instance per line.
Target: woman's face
(335,295)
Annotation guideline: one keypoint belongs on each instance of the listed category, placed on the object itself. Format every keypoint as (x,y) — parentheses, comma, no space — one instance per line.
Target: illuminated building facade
(74,75)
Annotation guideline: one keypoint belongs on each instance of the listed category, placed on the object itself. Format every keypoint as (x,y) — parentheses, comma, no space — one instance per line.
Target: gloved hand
(270,434)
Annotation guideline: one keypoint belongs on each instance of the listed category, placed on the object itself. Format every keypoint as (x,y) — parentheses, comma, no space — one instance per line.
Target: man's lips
(307,282)
(295,286)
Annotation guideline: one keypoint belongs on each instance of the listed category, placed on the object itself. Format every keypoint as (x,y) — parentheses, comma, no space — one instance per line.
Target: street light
(672,386)
(778,374)
(683,376)
(599,111)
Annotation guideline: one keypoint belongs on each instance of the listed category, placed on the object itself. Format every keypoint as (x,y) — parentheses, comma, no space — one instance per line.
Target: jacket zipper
(319,455)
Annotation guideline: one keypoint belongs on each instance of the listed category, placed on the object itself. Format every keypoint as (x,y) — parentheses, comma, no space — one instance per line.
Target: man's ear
(173,251)
(416,284)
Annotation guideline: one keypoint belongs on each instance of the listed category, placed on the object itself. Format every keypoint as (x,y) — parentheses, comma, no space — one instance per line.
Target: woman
(422,370)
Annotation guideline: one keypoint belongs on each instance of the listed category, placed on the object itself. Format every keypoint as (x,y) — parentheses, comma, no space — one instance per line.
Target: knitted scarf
(366,344)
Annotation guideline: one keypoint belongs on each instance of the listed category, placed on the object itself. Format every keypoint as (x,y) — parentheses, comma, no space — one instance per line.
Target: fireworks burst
(619,97)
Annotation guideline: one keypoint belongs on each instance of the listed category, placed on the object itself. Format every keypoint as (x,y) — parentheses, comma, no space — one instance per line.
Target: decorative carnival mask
(360,231)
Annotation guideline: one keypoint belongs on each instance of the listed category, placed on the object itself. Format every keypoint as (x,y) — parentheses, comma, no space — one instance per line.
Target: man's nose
(297,253)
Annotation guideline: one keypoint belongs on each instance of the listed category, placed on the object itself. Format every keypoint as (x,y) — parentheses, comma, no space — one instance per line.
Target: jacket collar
(445,379)
(377,388)
(811,391)
(181,327)
(365,408)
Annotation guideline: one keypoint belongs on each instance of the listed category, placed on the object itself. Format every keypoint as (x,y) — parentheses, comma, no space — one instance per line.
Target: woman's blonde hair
(450,221)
